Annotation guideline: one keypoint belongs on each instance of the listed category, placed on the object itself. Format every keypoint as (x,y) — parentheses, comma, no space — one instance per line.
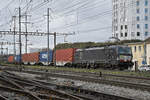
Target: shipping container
(11,59)
(43,57)
(30,58)
(64,56)
(17,58)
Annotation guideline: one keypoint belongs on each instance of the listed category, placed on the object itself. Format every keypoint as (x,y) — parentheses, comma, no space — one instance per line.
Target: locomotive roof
(96,48)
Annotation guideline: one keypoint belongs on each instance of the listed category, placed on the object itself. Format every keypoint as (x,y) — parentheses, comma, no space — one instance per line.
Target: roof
(97,48)
(147,40)
(135,43)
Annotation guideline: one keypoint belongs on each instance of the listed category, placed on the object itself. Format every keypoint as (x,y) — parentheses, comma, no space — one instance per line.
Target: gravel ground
(108,89)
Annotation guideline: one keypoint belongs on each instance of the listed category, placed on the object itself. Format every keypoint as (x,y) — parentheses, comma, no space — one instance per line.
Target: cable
(90,17)
(96,29)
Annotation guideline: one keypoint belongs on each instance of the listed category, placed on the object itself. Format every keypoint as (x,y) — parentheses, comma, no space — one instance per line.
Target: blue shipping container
(17,58)
(43,56)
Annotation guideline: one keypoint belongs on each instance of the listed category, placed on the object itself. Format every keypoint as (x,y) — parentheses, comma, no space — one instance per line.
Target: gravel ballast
(108,89)
(102,88)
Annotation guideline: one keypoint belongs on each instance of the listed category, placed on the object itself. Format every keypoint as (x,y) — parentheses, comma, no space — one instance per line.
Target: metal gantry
(35,33)
(48,27)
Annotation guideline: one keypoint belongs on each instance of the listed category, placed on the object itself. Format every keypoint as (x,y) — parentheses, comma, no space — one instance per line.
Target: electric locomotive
(109,57)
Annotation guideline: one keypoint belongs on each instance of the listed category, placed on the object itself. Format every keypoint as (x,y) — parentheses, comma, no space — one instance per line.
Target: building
(131,19)
(138,51)
(148,50)
(148,53)
(141,51)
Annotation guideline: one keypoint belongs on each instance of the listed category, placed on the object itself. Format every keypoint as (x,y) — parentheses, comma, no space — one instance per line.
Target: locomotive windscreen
(124,50)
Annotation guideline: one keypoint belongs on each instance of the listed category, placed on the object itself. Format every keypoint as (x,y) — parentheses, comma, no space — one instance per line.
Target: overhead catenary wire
(84,12)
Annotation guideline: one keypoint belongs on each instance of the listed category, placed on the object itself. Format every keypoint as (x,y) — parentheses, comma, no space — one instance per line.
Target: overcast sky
(89,19)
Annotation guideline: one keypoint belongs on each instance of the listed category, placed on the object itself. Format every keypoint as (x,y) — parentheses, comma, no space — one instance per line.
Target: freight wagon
(33,58)
(17,59)
(3,58)
(11,59)
(43,58)
(65,57)
(30,58)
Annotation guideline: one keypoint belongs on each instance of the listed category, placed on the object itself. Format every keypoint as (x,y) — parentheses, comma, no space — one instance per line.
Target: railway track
(94,74)
(111,77)
(2,97)
(39,91)
(43,90)
(96,79)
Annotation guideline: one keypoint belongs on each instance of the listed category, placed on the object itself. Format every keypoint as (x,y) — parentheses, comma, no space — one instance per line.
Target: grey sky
(89,19)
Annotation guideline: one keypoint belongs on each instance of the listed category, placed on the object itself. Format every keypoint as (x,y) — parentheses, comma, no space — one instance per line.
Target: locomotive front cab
(124,57)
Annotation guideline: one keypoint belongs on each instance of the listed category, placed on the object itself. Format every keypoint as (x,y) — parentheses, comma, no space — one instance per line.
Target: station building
(148,51)
(141,52)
